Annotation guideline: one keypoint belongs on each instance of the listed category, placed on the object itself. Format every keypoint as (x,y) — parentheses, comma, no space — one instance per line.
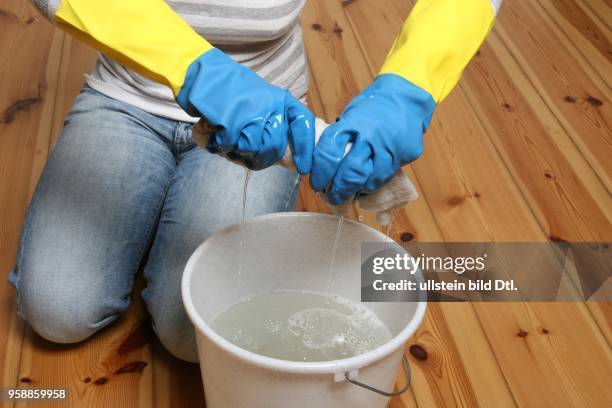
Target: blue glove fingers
(250,140)
(355,169)
(273,143)
(383,170)
(327,156)
(301,135)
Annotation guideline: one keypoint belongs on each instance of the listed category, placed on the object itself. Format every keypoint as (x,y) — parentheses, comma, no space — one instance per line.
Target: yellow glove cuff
(144,35)
(437,41)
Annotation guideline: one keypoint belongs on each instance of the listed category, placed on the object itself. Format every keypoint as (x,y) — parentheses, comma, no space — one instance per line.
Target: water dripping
(333,256)
(247,176)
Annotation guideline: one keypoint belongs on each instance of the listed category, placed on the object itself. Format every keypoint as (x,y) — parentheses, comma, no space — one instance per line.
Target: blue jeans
(119,182)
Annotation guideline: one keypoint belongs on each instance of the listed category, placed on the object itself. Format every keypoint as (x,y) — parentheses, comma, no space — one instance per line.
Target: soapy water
(301,326)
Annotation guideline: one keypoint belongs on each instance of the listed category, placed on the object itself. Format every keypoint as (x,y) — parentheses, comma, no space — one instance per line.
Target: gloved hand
(385,124)
(254,121)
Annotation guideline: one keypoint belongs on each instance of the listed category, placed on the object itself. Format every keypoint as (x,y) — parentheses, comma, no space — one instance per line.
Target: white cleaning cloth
(395,193)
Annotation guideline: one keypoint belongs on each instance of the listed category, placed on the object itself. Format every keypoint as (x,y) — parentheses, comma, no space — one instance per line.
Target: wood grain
(580,105)
(519,152)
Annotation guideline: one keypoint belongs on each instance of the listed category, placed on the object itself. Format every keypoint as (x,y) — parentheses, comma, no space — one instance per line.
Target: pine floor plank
(570,199)
(564,193)
(582,107)
(176,384)
(29,59)
(77,60)
(581,36)
(600,12)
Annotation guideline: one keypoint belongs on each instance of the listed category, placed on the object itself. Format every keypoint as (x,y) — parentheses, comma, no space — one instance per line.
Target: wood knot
(101,381)
(569,99)
(338,30)
(25,380)
(593,101)
(418,352)
(347,2)
(9,15)
(406,237)
(507,107)
(544,331)
(87,380)
(455,200)
(316,27)
(133,367)
(522,333)
(549,175)
(9,113)
(476,194)
(554,238)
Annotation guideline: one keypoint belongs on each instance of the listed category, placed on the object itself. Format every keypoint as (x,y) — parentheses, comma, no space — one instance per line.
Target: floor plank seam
(552,111)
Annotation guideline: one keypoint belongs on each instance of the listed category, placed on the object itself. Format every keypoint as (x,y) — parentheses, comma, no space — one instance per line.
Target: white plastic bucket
(289,251)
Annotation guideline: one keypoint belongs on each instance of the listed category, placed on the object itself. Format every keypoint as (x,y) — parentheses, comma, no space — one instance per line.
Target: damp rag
(397,192)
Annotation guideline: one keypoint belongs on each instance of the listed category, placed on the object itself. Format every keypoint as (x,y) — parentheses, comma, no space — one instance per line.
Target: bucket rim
(296,367)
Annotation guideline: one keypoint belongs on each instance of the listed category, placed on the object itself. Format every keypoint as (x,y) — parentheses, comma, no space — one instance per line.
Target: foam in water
(301,326)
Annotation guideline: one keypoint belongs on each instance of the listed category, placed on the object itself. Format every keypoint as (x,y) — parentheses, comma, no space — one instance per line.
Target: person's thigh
(95,206)
(205,196)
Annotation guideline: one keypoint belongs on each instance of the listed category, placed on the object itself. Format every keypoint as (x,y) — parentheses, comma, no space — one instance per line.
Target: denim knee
(61,313)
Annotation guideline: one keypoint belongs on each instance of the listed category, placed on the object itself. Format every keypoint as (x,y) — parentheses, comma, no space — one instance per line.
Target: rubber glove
(385,124)
(387,121)
(254,121)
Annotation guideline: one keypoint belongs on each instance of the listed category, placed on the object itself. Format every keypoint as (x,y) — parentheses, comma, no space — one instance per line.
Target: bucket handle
(381,392)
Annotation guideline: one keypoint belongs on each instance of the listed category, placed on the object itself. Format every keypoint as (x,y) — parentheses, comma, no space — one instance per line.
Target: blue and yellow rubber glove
(254,121)
(386,122)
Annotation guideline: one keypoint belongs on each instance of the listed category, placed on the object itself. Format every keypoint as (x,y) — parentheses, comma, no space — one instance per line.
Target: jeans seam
(155,220)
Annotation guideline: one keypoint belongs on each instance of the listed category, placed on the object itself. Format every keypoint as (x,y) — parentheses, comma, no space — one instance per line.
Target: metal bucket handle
(381,392)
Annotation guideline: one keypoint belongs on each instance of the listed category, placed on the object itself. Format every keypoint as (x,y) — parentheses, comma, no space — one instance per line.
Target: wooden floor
(520,151)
